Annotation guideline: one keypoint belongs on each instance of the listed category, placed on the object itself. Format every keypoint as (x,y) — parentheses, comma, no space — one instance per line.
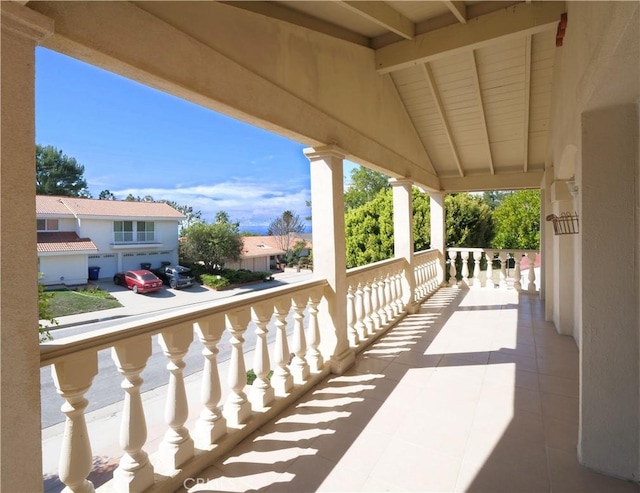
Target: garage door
(108,264)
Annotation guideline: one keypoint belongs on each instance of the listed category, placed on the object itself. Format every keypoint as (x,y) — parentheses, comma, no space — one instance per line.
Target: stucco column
(438,231)
(609,439)
(329,253)
(20,449)
(403,237)
(546,245)
(563,265)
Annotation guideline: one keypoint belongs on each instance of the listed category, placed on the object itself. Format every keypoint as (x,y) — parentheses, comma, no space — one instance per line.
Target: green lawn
(82,301)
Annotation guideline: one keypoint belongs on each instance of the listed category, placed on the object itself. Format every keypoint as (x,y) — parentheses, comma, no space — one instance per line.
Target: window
(123,231)
(47,225)
(133,231)
(145,231)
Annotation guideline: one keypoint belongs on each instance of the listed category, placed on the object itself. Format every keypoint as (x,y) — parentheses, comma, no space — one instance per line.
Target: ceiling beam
(483,118)
(445,122)
(527,100)
(457,8)
(510,23)
(383,15)
(506,181)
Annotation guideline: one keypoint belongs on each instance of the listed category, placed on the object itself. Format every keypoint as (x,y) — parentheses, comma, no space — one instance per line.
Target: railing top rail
(425,252)
(96,340)
(371,267)
(476,249)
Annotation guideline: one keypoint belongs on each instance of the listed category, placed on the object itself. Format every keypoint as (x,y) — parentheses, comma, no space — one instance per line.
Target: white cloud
(250,203)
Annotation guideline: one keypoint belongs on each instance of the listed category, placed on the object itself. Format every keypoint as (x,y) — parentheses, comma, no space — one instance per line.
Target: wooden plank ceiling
(475,77)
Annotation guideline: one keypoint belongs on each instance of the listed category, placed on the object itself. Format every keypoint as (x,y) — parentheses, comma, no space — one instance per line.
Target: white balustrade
(314,356)
(282,381)
(359,326)
(352,333)
(135,472)
(262,393)
(520,259)
(371,322)
(72,378)
(299,367)
(237,409)
(453,254)
(211,424)
(177,445)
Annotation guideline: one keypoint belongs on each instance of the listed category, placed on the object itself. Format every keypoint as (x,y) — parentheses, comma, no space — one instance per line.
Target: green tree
(364,186)
(494,198)
(517,221)
(106,195)
(192,216)
(212,244)
(369,228)
(59,174)
(468,220)
(284,228)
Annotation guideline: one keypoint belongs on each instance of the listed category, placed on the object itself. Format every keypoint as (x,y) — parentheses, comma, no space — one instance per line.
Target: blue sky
(134,139)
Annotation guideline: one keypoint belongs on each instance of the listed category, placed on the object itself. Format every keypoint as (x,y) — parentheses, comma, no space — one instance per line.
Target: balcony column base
(133,480)
(342,362)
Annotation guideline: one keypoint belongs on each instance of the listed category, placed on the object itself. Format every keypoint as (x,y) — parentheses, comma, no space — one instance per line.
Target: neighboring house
(76,235)
(262,253)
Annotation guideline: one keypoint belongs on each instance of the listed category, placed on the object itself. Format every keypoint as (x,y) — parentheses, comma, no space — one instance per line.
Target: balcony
(470,389)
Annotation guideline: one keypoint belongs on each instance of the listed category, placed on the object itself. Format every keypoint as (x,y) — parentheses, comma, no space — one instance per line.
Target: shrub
(214,281)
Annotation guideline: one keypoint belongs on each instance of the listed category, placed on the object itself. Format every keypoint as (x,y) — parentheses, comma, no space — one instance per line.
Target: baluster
(452,268)
(418,273)
(532,273)
(388,307)
(516,272)
(477,258)
(261,391)
(398,289)
(237,408)
(314,356)
(360,327)
(211,424)
(375,316)
(489,281)
(370,321)
(72,378)
(382,312)
(394,294)
(282,381)
(503,256)
(299,366)
(135,472)
(177,446)
(465,269)
(352,333)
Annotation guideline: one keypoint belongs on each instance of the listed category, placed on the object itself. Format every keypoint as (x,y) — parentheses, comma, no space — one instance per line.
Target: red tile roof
(64,242)
(259,246)
(72,206)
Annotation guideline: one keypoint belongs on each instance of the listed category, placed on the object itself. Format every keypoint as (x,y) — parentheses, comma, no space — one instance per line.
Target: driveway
(167,298)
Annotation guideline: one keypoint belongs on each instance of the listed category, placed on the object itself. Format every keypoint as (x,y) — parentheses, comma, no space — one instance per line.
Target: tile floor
(476,392)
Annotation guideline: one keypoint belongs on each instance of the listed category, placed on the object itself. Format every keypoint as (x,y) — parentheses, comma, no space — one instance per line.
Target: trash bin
(94,273)
(145,265)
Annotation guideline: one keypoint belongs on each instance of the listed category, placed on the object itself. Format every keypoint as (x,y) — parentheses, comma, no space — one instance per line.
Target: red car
(139,281)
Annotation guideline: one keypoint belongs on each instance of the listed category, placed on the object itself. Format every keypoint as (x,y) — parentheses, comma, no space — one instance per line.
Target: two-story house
(77,236)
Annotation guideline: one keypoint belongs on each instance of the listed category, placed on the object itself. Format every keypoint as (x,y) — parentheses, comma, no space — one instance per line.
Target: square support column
(609,439)
(438,231)
(20,442)
(329,253)
(403,237)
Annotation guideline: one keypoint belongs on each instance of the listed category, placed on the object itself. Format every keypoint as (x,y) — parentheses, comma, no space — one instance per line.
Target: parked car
(175,276)
(139,281)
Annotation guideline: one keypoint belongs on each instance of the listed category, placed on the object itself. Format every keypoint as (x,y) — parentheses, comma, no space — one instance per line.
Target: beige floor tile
(509,465)
(522,362)
(561,434)
(343,479)
(551,384)
(409,467)
(560,407)
(568,476)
